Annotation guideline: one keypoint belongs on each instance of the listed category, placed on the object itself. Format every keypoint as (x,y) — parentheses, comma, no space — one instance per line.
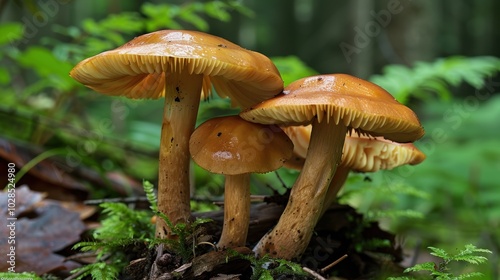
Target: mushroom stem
(182,98)
(290,237)
(336,184)
(236,211)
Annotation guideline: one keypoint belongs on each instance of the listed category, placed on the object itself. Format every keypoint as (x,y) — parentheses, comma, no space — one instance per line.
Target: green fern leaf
(427,266)
(427,78)
(98,271)
(150,195)
(440,253)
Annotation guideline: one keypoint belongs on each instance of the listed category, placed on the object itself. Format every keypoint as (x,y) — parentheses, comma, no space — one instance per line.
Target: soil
(365,251)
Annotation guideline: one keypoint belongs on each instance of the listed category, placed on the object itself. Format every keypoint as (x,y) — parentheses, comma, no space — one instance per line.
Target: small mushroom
(360,154)
(179,65)
(236,148)
(332,104)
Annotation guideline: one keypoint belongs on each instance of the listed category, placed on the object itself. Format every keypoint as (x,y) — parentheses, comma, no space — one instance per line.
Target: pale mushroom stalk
(336,184)
(292,234)
(182,97)
(236,211)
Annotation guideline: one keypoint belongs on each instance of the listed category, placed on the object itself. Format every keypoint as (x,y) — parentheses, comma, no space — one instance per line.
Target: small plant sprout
(441,271)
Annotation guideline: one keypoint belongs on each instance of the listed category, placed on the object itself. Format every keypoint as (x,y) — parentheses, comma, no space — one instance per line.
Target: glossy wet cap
(231,145)
(138,68)
(339,98)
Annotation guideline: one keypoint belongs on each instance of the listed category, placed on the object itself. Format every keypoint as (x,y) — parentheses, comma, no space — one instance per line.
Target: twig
(207,243)
(253,198)
(281,180)
(118,199)
(328,267)
(314,274)
(80,256)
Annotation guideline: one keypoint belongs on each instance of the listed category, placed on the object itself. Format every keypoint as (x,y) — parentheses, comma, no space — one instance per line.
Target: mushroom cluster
(182,66)
(333,104)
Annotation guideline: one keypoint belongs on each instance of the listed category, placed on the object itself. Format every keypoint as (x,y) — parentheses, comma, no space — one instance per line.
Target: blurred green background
(438,57)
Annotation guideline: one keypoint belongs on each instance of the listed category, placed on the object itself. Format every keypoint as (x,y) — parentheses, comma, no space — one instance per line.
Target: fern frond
(440,253)
(87,246)
(98,271)
(468,255)
(441,271)
(436,77)
(150,195)
(427,266)
(124,222)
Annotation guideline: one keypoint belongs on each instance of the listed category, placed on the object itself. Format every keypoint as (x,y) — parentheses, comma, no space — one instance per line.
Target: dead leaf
(38,233)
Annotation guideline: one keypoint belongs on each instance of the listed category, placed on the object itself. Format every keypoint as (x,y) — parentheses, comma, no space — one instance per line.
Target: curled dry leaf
(42,228)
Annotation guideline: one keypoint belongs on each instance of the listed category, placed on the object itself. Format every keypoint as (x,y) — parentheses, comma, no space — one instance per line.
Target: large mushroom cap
(231,145)
(340,98)
(138,68)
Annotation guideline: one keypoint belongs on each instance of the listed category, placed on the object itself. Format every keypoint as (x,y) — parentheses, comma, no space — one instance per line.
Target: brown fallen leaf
(38,229)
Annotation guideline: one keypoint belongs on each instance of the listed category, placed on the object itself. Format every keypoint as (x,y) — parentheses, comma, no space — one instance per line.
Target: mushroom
(179,65)
(333,104)
(360,154)
(236,148)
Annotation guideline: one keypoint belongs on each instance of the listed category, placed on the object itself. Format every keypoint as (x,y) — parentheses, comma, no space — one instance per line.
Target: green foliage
(436,77)
(13,31)
(183,245)
(98,271)
(123,228)
(38,95)
(19,275)
(117,213)
(267,268)
(97,36)
(292,68)
(170,16)
(470,254)
(120,228)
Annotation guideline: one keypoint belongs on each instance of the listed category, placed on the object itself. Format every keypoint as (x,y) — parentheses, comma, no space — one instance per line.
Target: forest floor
(53,214)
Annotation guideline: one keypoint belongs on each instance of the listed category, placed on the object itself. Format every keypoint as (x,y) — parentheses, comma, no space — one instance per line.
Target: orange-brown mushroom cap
(231,145)
(138,68)
(340,98)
